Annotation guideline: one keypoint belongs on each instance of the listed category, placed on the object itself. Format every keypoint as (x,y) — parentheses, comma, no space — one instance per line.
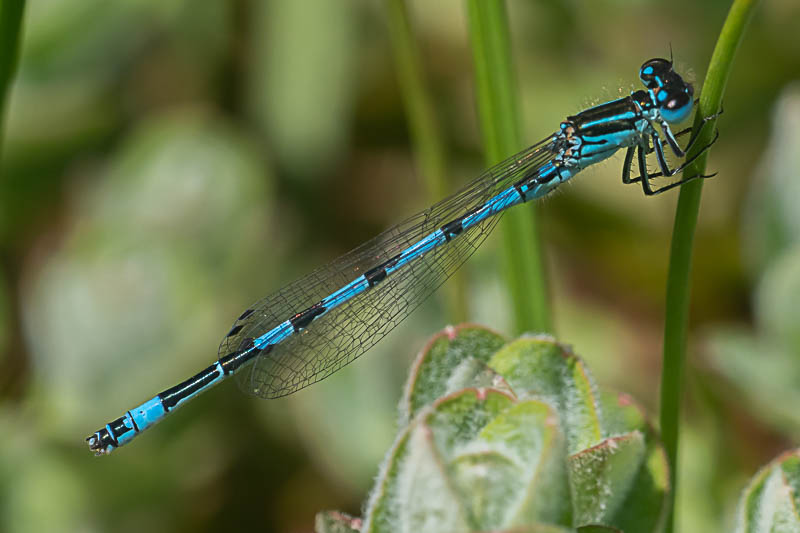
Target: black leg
(645,176)
(683,132)
(648,147)
(679,183)
(680,168)
(671,140)
(693,138)
(626,166)
(662,162)
(651,148)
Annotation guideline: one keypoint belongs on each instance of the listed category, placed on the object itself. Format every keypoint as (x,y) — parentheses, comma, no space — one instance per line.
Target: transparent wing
(342,334)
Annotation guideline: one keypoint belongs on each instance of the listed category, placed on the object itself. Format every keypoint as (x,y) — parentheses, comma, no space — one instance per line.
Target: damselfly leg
(657,146)
(672,139)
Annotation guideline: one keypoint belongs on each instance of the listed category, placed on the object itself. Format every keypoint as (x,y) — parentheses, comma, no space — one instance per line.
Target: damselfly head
(673,95)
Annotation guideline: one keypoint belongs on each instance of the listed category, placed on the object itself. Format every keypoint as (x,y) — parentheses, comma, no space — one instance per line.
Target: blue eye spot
(677,109)
(676,115)
(648,70)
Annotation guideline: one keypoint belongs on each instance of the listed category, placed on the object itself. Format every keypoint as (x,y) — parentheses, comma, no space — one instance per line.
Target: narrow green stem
(678,280)
(425,131)
(10,24)
(499,115)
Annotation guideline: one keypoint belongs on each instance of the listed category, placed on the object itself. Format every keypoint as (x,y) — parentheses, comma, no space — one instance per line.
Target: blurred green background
(168,163)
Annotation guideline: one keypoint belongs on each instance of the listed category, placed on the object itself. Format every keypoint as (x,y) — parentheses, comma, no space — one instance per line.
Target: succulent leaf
(771,502)
(515,437)
(539,367)
(454,359)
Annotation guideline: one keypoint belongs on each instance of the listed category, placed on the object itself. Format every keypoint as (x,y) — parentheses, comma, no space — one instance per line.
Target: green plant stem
(499,115)
(425,131)
(10,24)
(678,278)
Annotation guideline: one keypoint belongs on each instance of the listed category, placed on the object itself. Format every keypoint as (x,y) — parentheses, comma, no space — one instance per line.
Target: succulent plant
(512,436)
(771,502)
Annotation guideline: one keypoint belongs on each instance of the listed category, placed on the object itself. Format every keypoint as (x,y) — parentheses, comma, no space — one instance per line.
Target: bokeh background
(165,164)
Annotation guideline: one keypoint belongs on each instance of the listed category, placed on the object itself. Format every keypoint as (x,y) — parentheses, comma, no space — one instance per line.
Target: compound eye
(678,106)
(678,101)
(655,72)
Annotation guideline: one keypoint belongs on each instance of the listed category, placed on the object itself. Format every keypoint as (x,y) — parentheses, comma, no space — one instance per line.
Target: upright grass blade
(678,280)
(425,132)
(499,114)
(10,24)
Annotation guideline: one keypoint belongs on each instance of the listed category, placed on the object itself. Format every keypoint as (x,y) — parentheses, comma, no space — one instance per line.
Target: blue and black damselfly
(313,327)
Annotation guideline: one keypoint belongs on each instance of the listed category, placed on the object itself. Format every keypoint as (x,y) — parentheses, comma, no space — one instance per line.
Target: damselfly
(313,327)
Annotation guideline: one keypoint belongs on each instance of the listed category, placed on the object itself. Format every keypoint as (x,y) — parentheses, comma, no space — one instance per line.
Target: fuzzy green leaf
(644,508)
(480,458)
(539,367)
(603,475)
(453,359)
(771,503)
